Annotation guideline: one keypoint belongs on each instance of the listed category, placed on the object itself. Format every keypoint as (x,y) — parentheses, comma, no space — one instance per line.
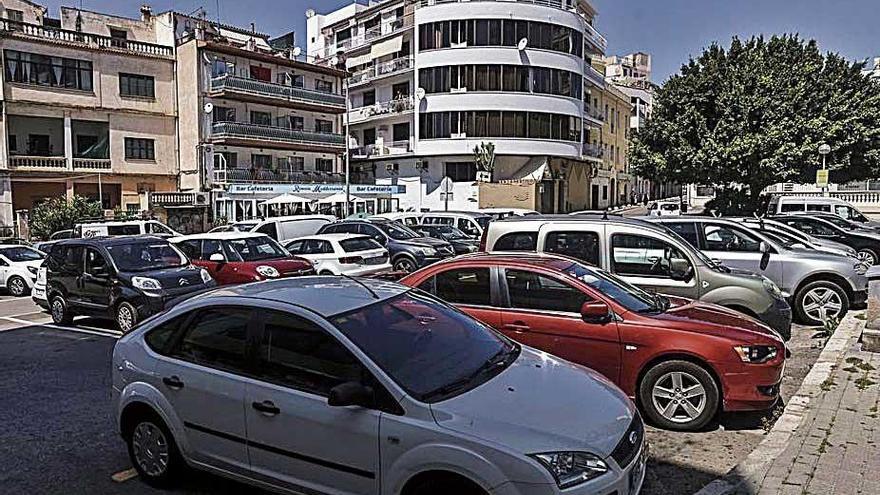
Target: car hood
(712,319)
(187,276)
(541,403)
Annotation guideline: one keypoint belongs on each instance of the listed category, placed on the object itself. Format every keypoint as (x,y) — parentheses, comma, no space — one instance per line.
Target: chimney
(146,13)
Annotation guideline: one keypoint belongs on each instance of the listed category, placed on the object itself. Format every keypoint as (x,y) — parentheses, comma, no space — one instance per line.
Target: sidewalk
(828,440)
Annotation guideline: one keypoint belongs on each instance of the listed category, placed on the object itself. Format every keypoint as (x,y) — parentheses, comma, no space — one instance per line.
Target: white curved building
(434,79)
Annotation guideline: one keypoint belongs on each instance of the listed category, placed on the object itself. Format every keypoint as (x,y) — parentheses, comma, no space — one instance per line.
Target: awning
(339,198)
(355,61)
(387,47)
(286,199)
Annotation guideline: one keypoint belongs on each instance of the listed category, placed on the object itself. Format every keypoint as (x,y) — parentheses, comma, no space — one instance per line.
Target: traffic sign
(822,178)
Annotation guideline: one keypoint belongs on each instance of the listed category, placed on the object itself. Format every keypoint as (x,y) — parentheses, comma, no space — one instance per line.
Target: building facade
(628,69)
(612,184)
(433,82)
(88,108)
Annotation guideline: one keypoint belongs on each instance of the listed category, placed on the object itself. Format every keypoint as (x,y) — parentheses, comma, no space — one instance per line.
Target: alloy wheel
(867,257)
(150,449)
(16,287)
(57,309)
(679,397)
(822,303)
(124,318)
(405,265)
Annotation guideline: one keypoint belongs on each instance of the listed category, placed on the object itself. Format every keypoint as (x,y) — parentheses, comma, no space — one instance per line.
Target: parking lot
(59,435)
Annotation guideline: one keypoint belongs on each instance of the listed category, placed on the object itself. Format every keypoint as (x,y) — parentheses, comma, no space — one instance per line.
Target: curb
(750,472)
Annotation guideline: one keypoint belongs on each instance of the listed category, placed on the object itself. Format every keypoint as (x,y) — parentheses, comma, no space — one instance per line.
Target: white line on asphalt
(87,330)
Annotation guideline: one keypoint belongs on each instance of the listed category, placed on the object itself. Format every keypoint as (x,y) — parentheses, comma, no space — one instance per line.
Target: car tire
(126,316)
(811,298)
(326,273)
(60,311)
(16,286)
(669,387)
(405,264)
(868,255)
(153,452)
(458,486)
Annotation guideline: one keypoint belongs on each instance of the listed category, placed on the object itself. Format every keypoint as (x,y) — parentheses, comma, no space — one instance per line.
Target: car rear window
(517,241)
(123,230)
(359,244)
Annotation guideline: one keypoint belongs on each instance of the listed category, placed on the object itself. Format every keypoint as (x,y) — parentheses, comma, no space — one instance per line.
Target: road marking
(123,476)
(87,330)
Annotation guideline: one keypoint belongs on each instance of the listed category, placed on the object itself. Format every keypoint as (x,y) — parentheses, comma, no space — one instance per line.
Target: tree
(60,214)
(755,114)
(484,156)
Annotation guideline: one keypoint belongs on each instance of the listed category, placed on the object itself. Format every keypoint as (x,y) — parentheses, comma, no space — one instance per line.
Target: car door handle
(266,407)
(517,326)
(173,382)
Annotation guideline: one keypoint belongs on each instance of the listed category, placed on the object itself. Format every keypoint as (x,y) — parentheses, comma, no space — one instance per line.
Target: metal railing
(382,69)
(224,130)
(91,164)
(388,149)
(261,88)
(89,39)
(249,175)
(38,162)
(594,76)
(593,113)
(392,107)
(362,39)
(592,150)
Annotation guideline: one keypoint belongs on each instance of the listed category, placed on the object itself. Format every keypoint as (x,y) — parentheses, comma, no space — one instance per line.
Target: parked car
(461,242)
(319,384)
(241,257)
(866,243)
(243,226)
(126,278)
(818,285)
(795,237)
(409,251)
(664,208)
(796,205)
(342,254)
(470,222)
(646,255)
(291,227)
(636,339)
(501,213)
(19,266)
(408,218)
(127,228)
(841,222)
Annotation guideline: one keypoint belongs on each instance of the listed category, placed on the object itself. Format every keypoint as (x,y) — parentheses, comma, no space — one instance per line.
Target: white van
(664,208)
(292,227)
(793,205)
(408,218)
(131,227)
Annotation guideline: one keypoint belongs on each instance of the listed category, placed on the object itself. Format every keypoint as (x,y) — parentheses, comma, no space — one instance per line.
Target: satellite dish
(334,61)
(209,107)
(420,93)
(523,43)
(297,51)
(310,13)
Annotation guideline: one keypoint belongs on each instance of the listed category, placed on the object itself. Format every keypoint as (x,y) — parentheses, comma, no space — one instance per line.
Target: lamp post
(824,150)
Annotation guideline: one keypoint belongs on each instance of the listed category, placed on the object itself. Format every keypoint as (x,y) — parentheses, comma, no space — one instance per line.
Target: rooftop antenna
(217,4)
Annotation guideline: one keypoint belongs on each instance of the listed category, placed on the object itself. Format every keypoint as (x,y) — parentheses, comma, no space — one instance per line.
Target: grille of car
(445,250)
(298,273)
(376,260)
(630,444)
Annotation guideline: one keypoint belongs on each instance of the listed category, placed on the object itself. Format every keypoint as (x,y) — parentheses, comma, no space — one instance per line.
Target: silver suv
(648,255)
(818,285)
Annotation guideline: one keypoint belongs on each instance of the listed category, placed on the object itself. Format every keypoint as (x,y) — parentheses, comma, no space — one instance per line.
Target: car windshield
(359,244)
(146,256)
(19,254)
(782,239)
(430,349)
(449,233)
(256,249)
(397,231)
(840,222)
(625,294)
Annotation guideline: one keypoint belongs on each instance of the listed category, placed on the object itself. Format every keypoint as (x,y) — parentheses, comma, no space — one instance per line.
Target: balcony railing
(56,163)
(594,76)
(241,130)
(270,90)
(592,150)
(86,39)
(392,148)
(363,39)
(91,164)
(381,70)
(385,108)
(247,175)
(593,113)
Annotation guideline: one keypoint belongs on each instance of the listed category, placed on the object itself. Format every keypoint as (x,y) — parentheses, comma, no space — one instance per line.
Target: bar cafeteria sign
(312,188)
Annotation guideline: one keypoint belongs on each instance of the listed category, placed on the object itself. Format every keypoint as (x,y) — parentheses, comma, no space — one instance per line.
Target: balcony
(378,150)
(91,164)
(592,151)
(380,110)
(364,39)
(38,144)
(257,175)
(264,136)
(593,115)
(229,86)
(96,41)
(593,76)
(38,163)
(384,69)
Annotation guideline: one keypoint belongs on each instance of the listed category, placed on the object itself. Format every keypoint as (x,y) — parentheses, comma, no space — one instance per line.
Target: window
(261,118)
(532,291)
(725,238)
(369,98)
(118,38)
(581,245)
(140,149)
(269,229)
(261,73)
(687,230)
(460,171)
(84,143)
(324,164)
(159,338)
(137,85)
(15,15)
(44,70)
(468,286)
(819,207)
(223,114)
(400,90)
(642,256)
(369,136)
(324,126)
(96,264)
(216,339)
(517,241)
(323,86)
(192,249)
(400,132)
(120,230)
(261,161)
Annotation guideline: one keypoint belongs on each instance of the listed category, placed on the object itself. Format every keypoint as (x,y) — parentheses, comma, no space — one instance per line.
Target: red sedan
(681,360)
(242,257)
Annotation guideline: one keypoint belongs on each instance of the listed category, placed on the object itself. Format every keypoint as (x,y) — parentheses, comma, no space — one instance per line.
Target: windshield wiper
(494,362)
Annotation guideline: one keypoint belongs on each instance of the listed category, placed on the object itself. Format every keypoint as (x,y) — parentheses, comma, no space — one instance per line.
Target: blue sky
(671,30)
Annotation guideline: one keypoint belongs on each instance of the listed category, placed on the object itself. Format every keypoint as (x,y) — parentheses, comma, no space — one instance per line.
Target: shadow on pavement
(670,478)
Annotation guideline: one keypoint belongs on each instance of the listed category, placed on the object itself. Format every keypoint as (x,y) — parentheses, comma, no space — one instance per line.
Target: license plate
(40,293)
(635,476)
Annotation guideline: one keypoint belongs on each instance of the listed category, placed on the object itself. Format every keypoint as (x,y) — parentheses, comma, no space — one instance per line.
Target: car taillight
(351,260)
(483,240)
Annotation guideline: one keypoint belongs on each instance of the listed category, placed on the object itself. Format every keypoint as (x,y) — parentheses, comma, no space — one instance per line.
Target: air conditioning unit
(202,199)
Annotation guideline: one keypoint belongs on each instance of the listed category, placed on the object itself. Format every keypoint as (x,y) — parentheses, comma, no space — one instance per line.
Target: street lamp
(337,62)
(824,150)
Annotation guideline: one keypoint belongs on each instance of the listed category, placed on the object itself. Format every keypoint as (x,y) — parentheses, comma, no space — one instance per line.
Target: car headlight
(206,277)
(755,354)
(145,283)
(860,268)
(772,288)
(268,271)
(33,270)
(41,276)
(572,468)
(428,251)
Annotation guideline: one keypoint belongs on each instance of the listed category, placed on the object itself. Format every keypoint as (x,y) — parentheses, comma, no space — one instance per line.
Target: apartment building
(612,183)
(628,69)
(434,80)
(88,108)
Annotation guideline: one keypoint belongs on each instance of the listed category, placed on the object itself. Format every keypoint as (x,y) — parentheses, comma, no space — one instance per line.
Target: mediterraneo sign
(313,188)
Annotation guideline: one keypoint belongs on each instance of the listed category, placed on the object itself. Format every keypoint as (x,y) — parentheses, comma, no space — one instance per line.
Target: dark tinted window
(464,286)
(95,262)
(529,290)
(517,241)
(687,230)
(725,238)
(298,354)
(159,338)
(786,207)
(73,258)
(812,227)
(581,245)
(642,256)
(359,244)
(123,230)
(216,339)
(269,229)
(191,248)
(296,247)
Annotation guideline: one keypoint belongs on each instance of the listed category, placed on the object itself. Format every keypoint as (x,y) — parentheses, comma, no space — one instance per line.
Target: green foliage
(124,215)
(59,214)
(484,156)
(755,114)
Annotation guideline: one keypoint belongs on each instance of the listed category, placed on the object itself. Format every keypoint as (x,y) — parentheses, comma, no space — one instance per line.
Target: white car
(342,254)
(408,218)
(664,209)
(243,226)
(130,227)
(19,266)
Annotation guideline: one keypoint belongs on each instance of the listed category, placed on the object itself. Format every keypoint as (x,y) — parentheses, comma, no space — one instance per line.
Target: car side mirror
(681,270)
(217,258)
(596,312)
(351,394)
(765,256)
(380,239)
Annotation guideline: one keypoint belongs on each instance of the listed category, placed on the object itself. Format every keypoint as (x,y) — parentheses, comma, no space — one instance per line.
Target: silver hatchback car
(365,387)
